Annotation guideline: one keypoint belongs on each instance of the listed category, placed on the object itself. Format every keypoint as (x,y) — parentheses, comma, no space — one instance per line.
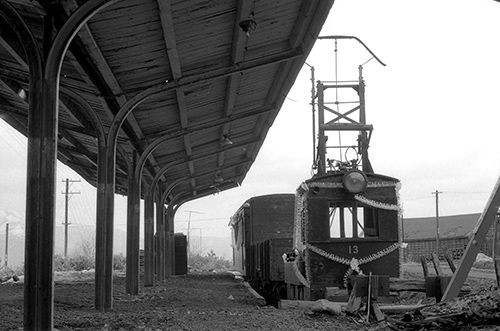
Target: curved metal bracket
(358,40)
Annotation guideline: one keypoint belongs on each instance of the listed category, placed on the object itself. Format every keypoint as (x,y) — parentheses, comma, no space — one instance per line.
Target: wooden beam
(79,147)
(160,238)
(306,14)
(191,166)
(132,256)
(181,103)
(220,159)
(437,265)
(243,11)
(148,239)
(104,78)
(496,248)
(77,116)
(301,41)
(91,48)
(484,223)
(13,53)
(167,24)
(20,75)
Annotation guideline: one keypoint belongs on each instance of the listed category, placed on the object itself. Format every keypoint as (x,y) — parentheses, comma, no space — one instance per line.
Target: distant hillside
(449,226)
(77,235)
(220,245)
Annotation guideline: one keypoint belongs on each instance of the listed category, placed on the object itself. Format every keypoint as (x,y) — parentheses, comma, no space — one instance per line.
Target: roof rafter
(93,50)
(233,81)
(76,116)
(19,123)
(167,24)
(82,149)
(12,52)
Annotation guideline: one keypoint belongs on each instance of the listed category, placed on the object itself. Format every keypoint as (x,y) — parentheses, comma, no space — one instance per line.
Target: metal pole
(321,132)
(160,234)
(148,238)
(133,201)
(6,243)
(313,108)
(168,235)
(189,231)
(66,223)
(91,116)
(436,193)
(66,218)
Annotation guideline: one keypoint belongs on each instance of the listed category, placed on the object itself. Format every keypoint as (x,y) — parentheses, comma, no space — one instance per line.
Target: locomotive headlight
(354,181)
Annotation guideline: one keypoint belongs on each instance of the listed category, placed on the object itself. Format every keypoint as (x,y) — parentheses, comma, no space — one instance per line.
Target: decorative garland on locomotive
(346,222)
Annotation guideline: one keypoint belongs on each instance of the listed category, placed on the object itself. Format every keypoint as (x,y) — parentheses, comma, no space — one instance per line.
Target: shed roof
(220,84)
(449,226)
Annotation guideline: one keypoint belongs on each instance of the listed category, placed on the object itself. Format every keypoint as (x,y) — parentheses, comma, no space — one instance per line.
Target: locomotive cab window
(352,221)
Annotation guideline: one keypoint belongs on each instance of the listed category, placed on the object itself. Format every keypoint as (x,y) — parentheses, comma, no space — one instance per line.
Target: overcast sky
(434,108)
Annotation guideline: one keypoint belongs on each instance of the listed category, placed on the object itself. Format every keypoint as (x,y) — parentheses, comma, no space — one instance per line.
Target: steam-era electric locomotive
(344,221)
(338,224)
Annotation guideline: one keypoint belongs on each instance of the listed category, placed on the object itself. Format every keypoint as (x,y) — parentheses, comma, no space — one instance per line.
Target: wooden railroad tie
(370,287)
(435,286)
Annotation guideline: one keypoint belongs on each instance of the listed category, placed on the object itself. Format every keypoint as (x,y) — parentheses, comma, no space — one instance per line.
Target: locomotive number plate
(353,249)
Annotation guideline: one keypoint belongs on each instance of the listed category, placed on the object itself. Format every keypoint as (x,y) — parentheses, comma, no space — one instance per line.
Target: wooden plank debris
(437,266)
(449,260)
(423,261)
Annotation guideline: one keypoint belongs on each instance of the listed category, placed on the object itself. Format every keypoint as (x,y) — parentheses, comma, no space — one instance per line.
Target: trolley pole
(436,193)
(66,223)
(6,243)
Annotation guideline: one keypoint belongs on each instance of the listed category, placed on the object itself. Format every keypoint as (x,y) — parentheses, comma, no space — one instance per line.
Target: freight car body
(346,222)
(261,233)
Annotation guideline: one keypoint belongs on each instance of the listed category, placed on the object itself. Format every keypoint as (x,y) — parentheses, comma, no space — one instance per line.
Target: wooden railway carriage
(259,219)
(346,222)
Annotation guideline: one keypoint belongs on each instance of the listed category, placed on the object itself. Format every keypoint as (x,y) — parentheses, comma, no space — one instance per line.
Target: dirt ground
(192,302)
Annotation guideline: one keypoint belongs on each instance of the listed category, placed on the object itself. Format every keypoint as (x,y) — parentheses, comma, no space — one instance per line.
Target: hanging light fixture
(225,141)
(248,25)
(22,93)
(218,178)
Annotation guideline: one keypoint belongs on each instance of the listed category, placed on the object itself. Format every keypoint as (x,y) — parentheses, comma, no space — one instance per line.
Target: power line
(447,192)
(478,192)
(418,198)
(204,219)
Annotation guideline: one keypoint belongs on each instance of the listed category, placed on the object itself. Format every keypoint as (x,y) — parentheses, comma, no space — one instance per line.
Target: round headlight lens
(354,182)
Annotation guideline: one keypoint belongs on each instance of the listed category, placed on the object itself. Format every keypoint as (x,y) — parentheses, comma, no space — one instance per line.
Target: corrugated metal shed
(220,83)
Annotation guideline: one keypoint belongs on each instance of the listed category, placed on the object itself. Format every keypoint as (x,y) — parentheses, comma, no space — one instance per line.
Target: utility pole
(6,243)
(199,243)
(436,193)
(66,223)
(189,228)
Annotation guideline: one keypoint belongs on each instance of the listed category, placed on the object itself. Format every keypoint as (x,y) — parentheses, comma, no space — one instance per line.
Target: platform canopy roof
(225,68)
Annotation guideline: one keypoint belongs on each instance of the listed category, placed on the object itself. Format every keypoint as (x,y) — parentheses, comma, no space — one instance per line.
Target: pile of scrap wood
(6,274)
(482,308)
